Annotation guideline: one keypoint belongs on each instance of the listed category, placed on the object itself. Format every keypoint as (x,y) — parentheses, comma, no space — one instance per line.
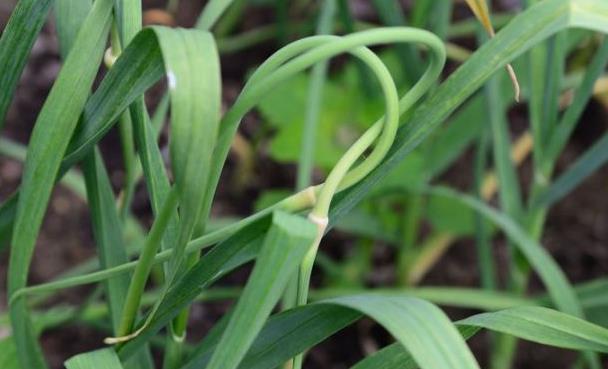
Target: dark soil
(576,232)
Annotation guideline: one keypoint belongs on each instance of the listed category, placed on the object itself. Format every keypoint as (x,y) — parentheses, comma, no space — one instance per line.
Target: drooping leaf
(536,324)
(545,326)
(415,323)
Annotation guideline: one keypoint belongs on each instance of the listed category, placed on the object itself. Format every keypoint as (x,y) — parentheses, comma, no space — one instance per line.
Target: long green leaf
(283,336)
(50,138)
(510,196)
(128,14)
(192,67)
(572,115)
(212,13)
(156,178)
(417,324)
(108,234)
(553,277)
(69,15)
(107,231)
(535,324)
(587,164)
(193,74)
(107,228)
(545,326)
(285,245)
(15,44)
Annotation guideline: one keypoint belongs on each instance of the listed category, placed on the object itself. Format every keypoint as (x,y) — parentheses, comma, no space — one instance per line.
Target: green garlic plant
(283,239)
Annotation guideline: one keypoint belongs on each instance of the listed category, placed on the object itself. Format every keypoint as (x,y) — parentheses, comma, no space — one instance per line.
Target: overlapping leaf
(284,247)
(54,126)
(293,331)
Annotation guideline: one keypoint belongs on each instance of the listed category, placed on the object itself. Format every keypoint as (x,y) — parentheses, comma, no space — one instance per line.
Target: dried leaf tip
(482,13)
(514,81)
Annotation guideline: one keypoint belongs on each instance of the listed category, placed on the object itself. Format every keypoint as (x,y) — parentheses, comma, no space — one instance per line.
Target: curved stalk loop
(301,55)
(350,169)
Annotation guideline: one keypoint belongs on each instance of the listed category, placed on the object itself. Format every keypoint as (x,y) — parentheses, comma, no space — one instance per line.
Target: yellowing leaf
(482,13)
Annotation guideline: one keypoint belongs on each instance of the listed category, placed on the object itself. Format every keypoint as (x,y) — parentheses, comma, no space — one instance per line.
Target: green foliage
(376,128)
